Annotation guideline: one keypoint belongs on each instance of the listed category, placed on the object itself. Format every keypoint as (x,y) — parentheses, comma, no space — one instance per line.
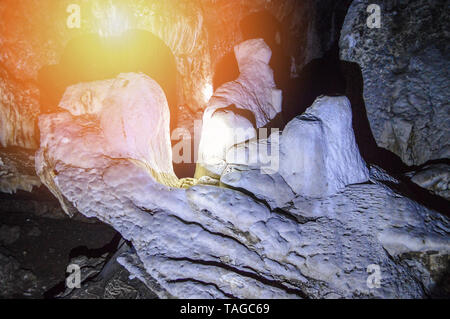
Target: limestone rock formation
(269,188)
(434,177)
(214,242)
(253,167)
(127,117)
(318,156)
(318,151)
(405,67)
(19,107)
(253,91)
(104,278)
(219,133)
(306,28)
(35,34)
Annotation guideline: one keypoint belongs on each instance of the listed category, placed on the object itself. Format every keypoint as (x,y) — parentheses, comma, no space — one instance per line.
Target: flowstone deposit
(215,242)
(238,107)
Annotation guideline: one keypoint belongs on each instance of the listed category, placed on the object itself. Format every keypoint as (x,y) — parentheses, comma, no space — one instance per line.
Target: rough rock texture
(106,279)
(17,170)
(315,156)
(434,177)
(270,188)
(16,282)
(19,107)
(253,167)
(253,91)
(129,118)
(209,241)
(318,152)
(34,34)
(405,67)
(9,234)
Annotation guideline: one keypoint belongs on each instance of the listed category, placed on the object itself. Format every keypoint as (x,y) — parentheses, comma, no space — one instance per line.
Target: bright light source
(207,92)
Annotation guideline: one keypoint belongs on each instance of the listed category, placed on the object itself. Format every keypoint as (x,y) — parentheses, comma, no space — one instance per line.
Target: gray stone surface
(254,91)
(16,282)
(116,283)
(318,152)
(9,234)
(405,67)
(434,177)
(214,242)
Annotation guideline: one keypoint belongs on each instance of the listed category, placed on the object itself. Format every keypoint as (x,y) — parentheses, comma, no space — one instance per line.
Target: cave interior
(189,50)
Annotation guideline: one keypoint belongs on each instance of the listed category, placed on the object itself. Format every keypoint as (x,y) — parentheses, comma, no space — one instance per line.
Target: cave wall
(199,33)
(34,35)
(404,66)
(308,28)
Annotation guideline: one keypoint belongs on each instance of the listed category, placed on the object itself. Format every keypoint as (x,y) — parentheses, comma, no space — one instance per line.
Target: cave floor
(35,251)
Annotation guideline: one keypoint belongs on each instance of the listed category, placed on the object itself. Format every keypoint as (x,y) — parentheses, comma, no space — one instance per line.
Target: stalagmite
(253,91)
(214,242)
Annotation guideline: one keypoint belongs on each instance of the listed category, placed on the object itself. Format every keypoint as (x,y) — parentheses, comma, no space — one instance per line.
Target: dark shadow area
(421,195)
(226,70)
(324,76)
(319,77)
(441,288)
(42,247)
(430,162)
(353,80)
(108,249)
